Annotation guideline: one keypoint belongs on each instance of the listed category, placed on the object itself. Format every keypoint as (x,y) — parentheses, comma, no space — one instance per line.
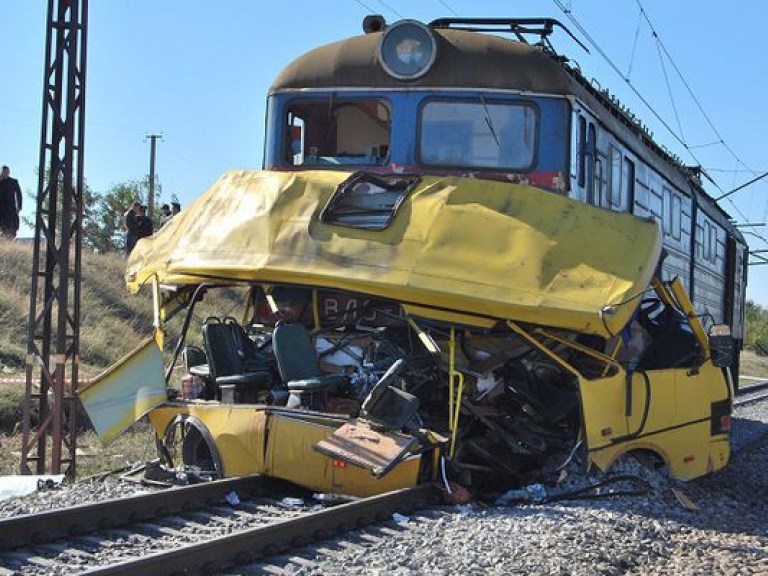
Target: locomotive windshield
(478,134)
(343,133)
(483,134)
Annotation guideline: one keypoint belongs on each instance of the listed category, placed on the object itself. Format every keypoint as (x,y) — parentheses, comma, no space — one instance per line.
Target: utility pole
(152,151)
(53,329)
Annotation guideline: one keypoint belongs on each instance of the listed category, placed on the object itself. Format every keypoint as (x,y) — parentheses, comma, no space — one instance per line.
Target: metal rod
(763,175)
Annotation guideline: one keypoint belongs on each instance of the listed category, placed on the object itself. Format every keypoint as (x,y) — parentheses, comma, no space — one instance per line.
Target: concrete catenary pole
(152,152)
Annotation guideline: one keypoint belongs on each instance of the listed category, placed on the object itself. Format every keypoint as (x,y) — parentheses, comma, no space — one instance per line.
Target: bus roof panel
(492,249)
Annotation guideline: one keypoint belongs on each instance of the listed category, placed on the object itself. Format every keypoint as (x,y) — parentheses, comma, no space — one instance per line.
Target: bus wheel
(191,449)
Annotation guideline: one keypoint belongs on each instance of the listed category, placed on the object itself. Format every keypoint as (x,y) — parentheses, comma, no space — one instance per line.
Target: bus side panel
(238,432)
(603,404)
(291,456)
(670,415)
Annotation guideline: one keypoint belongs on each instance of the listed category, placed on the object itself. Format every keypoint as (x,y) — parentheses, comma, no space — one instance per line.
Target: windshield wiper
(489,122)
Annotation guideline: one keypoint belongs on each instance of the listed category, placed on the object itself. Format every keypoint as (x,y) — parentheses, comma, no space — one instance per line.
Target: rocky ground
(654,533)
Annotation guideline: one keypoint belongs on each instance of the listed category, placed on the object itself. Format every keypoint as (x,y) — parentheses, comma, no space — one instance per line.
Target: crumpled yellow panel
(497,249)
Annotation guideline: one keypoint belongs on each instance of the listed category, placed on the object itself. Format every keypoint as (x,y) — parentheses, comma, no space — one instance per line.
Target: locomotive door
(584,142)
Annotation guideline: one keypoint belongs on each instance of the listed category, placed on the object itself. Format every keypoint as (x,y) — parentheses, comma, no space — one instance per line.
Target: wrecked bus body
(400,329)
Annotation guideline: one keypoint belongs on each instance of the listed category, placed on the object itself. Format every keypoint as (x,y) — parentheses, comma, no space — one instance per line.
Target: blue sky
(198,71)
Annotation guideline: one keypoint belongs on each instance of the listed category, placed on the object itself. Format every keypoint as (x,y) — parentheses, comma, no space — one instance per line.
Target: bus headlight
(407,50)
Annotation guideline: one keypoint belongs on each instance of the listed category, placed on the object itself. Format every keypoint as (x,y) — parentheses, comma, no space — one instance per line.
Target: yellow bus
(402,328)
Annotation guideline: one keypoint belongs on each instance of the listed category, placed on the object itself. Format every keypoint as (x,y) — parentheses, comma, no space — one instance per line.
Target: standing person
(131,226)
(145,226)
(175,208)
(10,204)
(167,215)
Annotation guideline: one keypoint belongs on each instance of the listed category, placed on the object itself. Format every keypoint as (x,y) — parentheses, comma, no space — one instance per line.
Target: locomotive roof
(506,65)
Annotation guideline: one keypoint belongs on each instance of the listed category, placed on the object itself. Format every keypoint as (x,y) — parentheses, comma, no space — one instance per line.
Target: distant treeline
(757,328)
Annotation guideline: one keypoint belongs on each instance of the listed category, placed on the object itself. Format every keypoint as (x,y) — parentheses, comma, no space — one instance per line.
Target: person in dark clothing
(131,226)
(145,226)
(10,204)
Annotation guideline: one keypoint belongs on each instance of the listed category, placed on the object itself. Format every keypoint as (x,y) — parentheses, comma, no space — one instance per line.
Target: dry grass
(754,365)
(112,322)
(137,445)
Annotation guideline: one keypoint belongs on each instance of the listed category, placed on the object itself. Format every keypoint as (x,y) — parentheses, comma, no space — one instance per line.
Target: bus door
(650,401)
(602,403)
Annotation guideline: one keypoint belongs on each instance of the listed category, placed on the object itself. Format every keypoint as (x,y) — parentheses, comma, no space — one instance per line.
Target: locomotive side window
(615,191)
(582,151)
(478,134)
(338,133)
(677,214)
(628,177)
(601,180)
(673,215)
(706,241)
(591,161)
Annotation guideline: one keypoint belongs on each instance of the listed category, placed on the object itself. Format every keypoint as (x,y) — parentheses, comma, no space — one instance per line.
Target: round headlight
(407,50)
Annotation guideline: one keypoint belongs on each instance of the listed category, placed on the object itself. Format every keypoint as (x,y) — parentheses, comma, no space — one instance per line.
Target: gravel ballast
(651,535)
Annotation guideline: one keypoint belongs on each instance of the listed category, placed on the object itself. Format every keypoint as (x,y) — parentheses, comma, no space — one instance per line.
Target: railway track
(751,394)
(201,529)
(207,528)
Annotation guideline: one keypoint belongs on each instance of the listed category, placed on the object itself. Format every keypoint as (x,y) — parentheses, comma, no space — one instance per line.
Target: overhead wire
(721,140)
(688,87)
(669,85)
(634,44)
(367,8)
(707,145)
(388,7)
(569,14)
(384,4)
(451,10)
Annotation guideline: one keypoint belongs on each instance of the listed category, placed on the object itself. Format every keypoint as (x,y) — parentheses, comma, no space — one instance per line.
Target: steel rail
(249,545)
(743,400)
(43,527)
(753,388)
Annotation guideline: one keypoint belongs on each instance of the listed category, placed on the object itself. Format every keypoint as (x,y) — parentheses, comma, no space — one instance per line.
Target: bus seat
(298,363)
(234,363)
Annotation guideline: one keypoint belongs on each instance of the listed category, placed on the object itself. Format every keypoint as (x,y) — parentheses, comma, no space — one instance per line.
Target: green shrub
(11,401)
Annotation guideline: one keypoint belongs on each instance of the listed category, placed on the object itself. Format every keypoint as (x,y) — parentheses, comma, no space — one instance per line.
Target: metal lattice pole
(53,336)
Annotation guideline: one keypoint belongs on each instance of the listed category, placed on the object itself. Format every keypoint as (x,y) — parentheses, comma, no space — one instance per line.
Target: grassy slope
(112,321)
(754,365)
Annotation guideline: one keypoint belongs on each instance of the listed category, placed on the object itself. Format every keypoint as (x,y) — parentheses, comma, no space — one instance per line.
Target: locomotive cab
(417,111)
